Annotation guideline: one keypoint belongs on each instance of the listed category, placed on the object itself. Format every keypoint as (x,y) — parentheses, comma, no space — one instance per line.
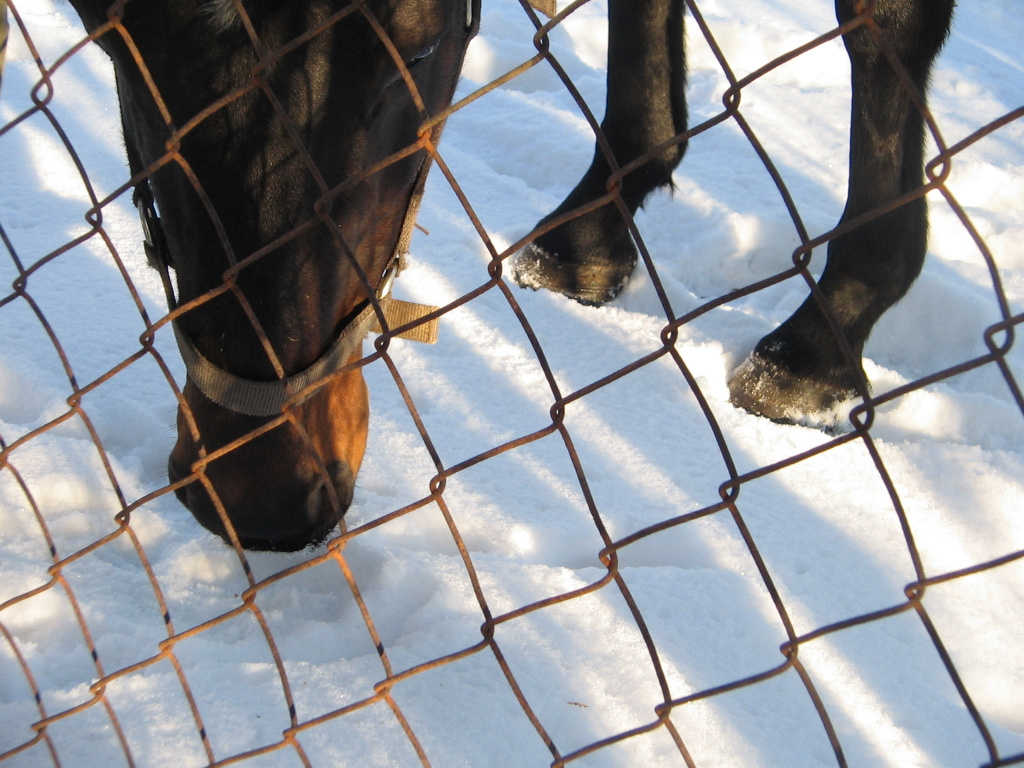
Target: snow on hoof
(594,283)
(764,388)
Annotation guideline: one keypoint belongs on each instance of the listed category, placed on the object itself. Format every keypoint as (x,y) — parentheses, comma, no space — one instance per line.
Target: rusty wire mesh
(77,561)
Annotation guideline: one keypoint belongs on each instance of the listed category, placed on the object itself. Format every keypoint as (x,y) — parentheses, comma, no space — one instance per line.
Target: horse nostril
(332,502)
(174,474)
(344,481)
(317,501)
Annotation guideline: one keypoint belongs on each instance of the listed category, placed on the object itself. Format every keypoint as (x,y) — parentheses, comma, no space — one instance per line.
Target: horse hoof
(593,283)
(765,388)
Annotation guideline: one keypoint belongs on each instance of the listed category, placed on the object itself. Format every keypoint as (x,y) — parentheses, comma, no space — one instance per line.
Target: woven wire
(382,698)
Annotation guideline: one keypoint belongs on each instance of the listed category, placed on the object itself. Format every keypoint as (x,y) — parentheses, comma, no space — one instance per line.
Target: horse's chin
(310,541)
(264,524)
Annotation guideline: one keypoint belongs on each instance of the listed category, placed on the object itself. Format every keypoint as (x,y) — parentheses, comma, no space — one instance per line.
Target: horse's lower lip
(322,512)
(290,545)
(312,536)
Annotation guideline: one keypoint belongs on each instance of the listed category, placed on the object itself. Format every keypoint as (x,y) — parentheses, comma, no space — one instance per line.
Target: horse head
(281,142)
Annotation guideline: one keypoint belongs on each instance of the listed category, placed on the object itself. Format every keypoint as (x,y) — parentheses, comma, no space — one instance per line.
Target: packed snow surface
(826,528)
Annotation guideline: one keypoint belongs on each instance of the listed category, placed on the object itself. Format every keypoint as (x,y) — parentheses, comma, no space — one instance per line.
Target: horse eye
(422,54)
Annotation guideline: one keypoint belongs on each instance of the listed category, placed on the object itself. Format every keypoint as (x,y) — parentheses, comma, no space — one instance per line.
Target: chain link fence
(566,547)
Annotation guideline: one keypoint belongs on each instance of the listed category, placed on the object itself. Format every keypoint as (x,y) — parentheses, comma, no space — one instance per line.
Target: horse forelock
(223,14)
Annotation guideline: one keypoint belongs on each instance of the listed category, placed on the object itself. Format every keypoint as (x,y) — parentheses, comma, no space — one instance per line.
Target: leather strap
(267,398)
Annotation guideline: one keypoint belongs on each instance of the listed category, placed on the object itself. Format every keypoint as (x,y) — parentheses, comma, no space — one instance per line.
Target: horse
(277,148)
(811,364)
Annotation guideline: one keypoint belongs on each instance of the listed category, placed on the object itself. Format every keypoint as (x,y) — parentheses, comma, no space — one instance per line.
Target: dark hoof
(593,283)
(765,388)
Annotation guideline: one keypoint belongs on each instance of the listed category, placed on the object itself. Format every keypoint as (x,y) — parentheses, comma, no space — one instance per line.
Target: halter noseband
(267,398)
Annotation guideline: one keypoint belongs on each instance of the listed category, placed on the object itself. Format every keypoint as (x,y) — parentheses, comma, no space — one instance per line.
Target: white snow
(826,527)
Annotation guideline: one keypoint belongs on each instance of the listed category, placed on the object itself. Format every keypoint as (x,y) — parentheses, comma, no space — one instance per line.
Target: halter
(267,398)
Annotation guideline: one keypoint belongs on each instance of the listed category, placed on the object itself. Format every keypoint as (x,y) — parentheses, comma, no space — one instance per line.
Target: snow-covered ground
(826,528)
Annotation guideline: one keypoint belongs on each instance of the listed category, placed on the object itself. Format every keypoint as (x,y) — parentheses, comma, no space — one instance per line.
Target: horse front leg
(590,257)
(799,368)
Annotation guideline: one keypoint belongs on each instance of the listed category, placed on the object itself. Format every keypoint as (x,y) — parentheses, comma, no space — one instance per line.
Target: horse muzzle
(280,489)
(285,521)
